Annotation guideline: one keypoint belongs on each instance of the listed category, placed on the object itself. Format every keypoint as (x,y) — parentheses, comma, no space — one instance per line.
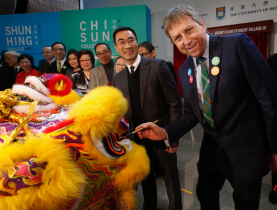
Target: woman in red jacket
(25,62)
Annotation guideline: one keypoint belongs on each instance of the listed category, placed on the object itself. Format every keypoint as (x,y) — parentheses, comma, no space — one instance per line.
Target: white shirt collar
(52,60)
(62,62)
(135,64)
(17,67)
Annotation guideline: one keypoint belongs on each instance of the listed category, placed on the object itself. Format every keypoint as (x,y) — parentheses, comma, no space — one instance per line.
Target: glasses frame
(59,50)
(125,41)
(120,65)
(144,54)
(84,61)
(102,53)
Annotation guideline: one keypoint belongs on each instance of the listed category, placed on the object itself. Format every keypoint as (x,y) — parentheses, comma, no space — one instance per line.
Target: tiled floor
(187,159)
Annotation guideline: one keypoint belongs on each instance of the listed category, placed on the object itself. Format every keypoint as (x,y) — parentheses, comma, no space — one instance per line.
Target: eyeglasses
(144,54)
(7,59)
(130,41)
(122,65)
(103,53)
(60,50)
(83,61)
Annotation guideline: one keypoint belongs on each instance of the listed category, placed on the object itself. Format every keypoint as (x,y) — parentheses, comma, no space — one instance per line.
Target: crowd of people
(220,83)
(77,65)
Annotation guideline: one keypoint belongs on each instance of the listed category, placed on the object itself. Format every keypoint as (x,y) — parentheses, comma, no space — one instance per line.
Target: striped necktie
(59,67)
(207,107)
(132,69)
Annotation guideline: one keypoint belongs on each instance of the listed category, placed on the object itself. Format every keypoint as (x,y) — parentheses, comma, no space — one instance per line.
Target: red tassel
(60,125)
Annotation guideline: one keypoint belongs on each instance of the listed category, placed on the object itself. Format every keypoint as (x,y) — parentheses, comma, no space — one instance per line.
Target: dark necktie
(207,107)
(15,71)
(132,69)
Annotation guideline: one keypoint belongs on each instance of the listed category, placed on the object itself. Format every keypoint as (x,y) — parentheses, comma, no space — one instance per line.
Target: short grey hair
(15,54)
(179,12)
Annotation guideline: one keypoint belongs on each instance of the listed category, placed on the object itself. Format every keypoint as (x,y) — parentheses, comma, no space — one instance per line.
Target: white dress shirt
(198,78)
(135,64)
(198,72)
(62,62)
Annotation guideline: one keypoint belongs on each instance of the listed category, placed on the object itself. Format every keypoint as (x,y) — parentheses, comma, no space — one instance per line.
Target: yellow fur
(63,182)
(98,112)
(71,98)
(138,166)
(130,198)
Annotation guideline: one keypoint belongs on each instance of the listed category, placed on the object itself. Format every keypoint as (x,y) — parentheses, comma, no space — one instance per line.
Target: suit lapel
(214,51)
(193,90)
(144,73)
(102,74)
(124,87)
(124,84)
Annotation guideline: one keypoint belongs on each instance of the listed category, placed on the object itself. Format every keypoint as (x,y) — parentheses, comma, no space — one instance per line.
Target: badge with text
(191,79)
(215,71)
(215,60)
(189,72)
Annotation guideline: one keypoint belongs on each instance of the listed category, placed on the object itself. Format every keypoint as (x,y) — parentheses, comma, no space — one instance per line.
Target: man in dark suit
(60,65)
(229,89)
(49,57)
(146,49)
(152,94)
(272,62)
(7,75)
(9,68)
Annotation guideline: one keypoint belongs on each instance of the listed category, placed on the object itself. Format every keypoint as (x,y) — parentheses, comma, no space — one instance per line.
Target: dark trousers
(246,194)
(149,187)
(274,178)
(170,173)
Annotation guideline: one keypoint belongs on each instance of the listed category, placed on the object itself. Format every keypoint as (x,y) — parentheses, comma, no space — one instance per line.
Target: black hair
(72,51)
(86,52)
(123,28)
(21,57)
(103,44)
(117,58)
(59,43)
(147,45)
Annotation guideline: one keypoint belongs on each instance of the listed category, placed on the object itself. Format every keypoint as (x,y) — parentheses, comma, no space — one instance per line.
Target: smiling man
(152,95)
(49,57)
(60,65)
(102,74)
(229,89)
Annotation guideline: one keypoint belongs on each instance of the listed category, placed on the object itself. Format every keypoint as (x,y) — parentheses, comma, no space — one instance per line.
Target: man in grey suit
(102,75)
(152,94)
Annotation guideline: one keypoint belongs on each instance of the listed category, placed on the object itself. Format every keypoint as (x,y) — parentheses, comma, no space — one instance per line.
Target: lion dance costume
(55,155)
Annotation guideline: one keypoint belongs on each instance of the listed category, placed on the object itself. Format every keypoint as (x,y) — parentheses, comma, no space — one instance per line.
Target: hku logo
(220,13)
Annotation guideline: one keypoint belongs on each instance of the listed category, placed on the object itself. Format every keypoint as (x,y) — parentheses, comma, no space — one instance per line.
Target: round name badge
(64,67)
(191,79)
(215,70)
(189,72)
(215,60)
